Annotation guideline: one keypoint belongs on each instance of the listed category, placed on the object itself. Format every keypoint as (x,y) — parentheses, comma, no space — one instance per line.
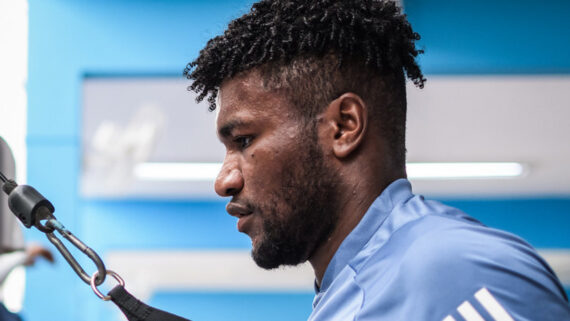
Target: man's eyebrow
(226,130)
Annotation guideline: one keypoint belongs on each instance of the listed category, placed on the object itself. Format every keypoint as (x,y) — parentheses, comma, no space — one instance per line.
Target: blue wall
(72,38)
(492,37)
(67,40)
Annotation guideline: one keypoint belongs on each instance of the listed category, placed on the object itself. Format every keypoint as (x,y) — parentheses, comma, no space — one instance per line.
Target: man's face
(283,193)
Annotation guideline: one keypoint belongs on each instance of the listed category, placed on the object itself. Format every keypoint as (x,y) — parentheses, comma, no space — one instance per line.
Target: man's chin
(266,256)
(264,263)
(270,258)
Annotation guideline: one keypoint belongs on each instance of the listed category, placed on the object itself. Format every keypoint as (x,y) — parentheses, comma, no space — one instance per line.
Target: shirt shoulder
(437,263)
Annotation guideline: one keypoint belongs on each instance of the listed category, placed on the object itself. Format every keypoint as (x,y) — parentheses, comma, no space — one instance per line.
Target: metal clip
(94,287)
(102,272)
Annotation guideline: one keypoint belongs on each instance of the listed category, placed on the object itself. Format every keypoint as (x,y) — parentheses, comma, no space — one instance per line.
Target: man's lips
(238,210)
(242,212)
(243,223)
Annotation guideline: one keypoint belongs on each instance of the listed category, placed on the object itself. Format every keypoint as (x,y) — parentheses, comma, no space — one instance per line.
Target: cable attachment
(33,209)
(101,271)
(29,206)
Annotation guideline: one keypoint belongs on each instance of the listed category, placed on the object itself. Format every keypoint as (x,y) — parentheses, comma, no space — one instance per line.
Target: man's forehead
(246,91)
(242,84)
(239,101)
(235,116)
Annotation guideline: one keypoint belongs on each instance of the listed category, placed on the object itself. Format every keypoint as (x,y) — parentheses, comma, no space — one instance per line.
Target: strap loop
(94,286)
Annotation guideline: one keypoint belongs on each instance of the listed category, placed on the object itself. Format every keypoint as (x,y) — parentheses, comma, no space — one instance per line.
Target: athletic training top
(410,259)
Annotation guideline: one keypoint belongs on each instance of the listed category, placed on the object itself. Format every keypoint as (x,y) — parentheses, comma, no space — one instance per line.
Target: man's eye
(243,141)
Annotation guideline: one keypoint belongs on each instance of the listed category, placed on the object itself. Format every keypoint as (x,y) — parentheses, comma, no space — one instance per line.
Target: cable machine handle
(33,209)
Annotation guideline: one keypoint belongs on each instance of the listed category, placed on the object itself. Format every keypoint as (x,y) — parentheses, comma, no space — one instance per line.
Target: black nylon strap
(136,310)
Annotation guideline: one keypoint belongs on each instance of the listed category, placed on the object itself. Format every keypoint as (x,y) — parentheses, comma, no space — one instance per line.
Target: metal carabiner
(102,272)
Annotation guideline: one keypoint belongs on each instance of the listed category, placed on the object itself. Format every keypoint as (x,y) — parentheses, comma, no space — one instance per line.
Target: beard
(302,214)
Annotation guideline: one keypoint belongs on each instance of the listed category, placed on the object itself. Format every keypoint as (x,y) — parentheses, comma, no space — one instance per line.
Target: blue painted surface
(492,36)
(544,223)
(161,225)
(69,39)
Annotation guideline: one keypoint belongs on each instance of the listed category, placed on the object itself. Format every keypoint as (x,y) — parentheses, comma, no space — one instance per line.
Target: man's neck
(356,202)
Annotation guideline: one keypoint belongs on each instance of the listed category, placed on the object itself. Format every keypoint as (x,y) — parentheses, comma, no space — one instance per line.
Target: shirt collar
(397,192)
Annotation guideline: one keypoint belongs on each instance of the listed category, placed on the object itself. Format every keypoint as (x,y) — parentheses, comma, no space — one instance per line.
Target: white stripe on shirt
(469,313)
(492,306)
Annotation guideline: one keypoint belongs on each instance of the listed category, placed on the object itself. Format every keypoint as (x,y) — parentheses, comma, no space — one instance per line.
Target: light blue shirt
(410,259)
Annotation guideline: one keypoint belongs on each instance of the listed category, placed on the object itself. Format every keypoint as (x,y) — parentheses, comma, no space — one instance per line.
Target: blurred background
(96,111)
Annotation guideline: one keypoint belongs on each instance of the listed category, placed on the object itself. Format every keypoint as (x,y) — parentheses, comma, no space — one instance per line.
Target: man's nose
(229,181)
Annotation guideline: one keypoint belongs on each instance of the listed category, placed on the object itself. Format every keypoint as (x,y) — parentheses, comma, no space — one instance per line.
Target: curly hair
(315,50)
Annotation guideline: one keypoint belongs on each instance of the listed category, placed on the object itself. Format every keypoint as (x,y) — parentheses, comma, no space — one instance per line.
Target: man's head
(282,191)
(279,72)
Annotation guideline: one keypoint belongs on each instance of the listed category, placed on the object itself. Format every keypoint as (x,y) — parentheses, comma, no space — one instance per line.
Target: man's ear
(347,115)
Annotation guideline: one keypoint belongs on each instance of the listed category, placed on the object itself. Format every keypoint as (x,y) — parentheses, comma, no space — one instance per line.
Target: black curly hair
(316,50)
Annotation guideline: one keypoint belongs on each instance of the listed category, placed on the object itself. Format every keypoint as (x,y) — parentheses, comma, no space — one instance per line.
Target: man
(312,110)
